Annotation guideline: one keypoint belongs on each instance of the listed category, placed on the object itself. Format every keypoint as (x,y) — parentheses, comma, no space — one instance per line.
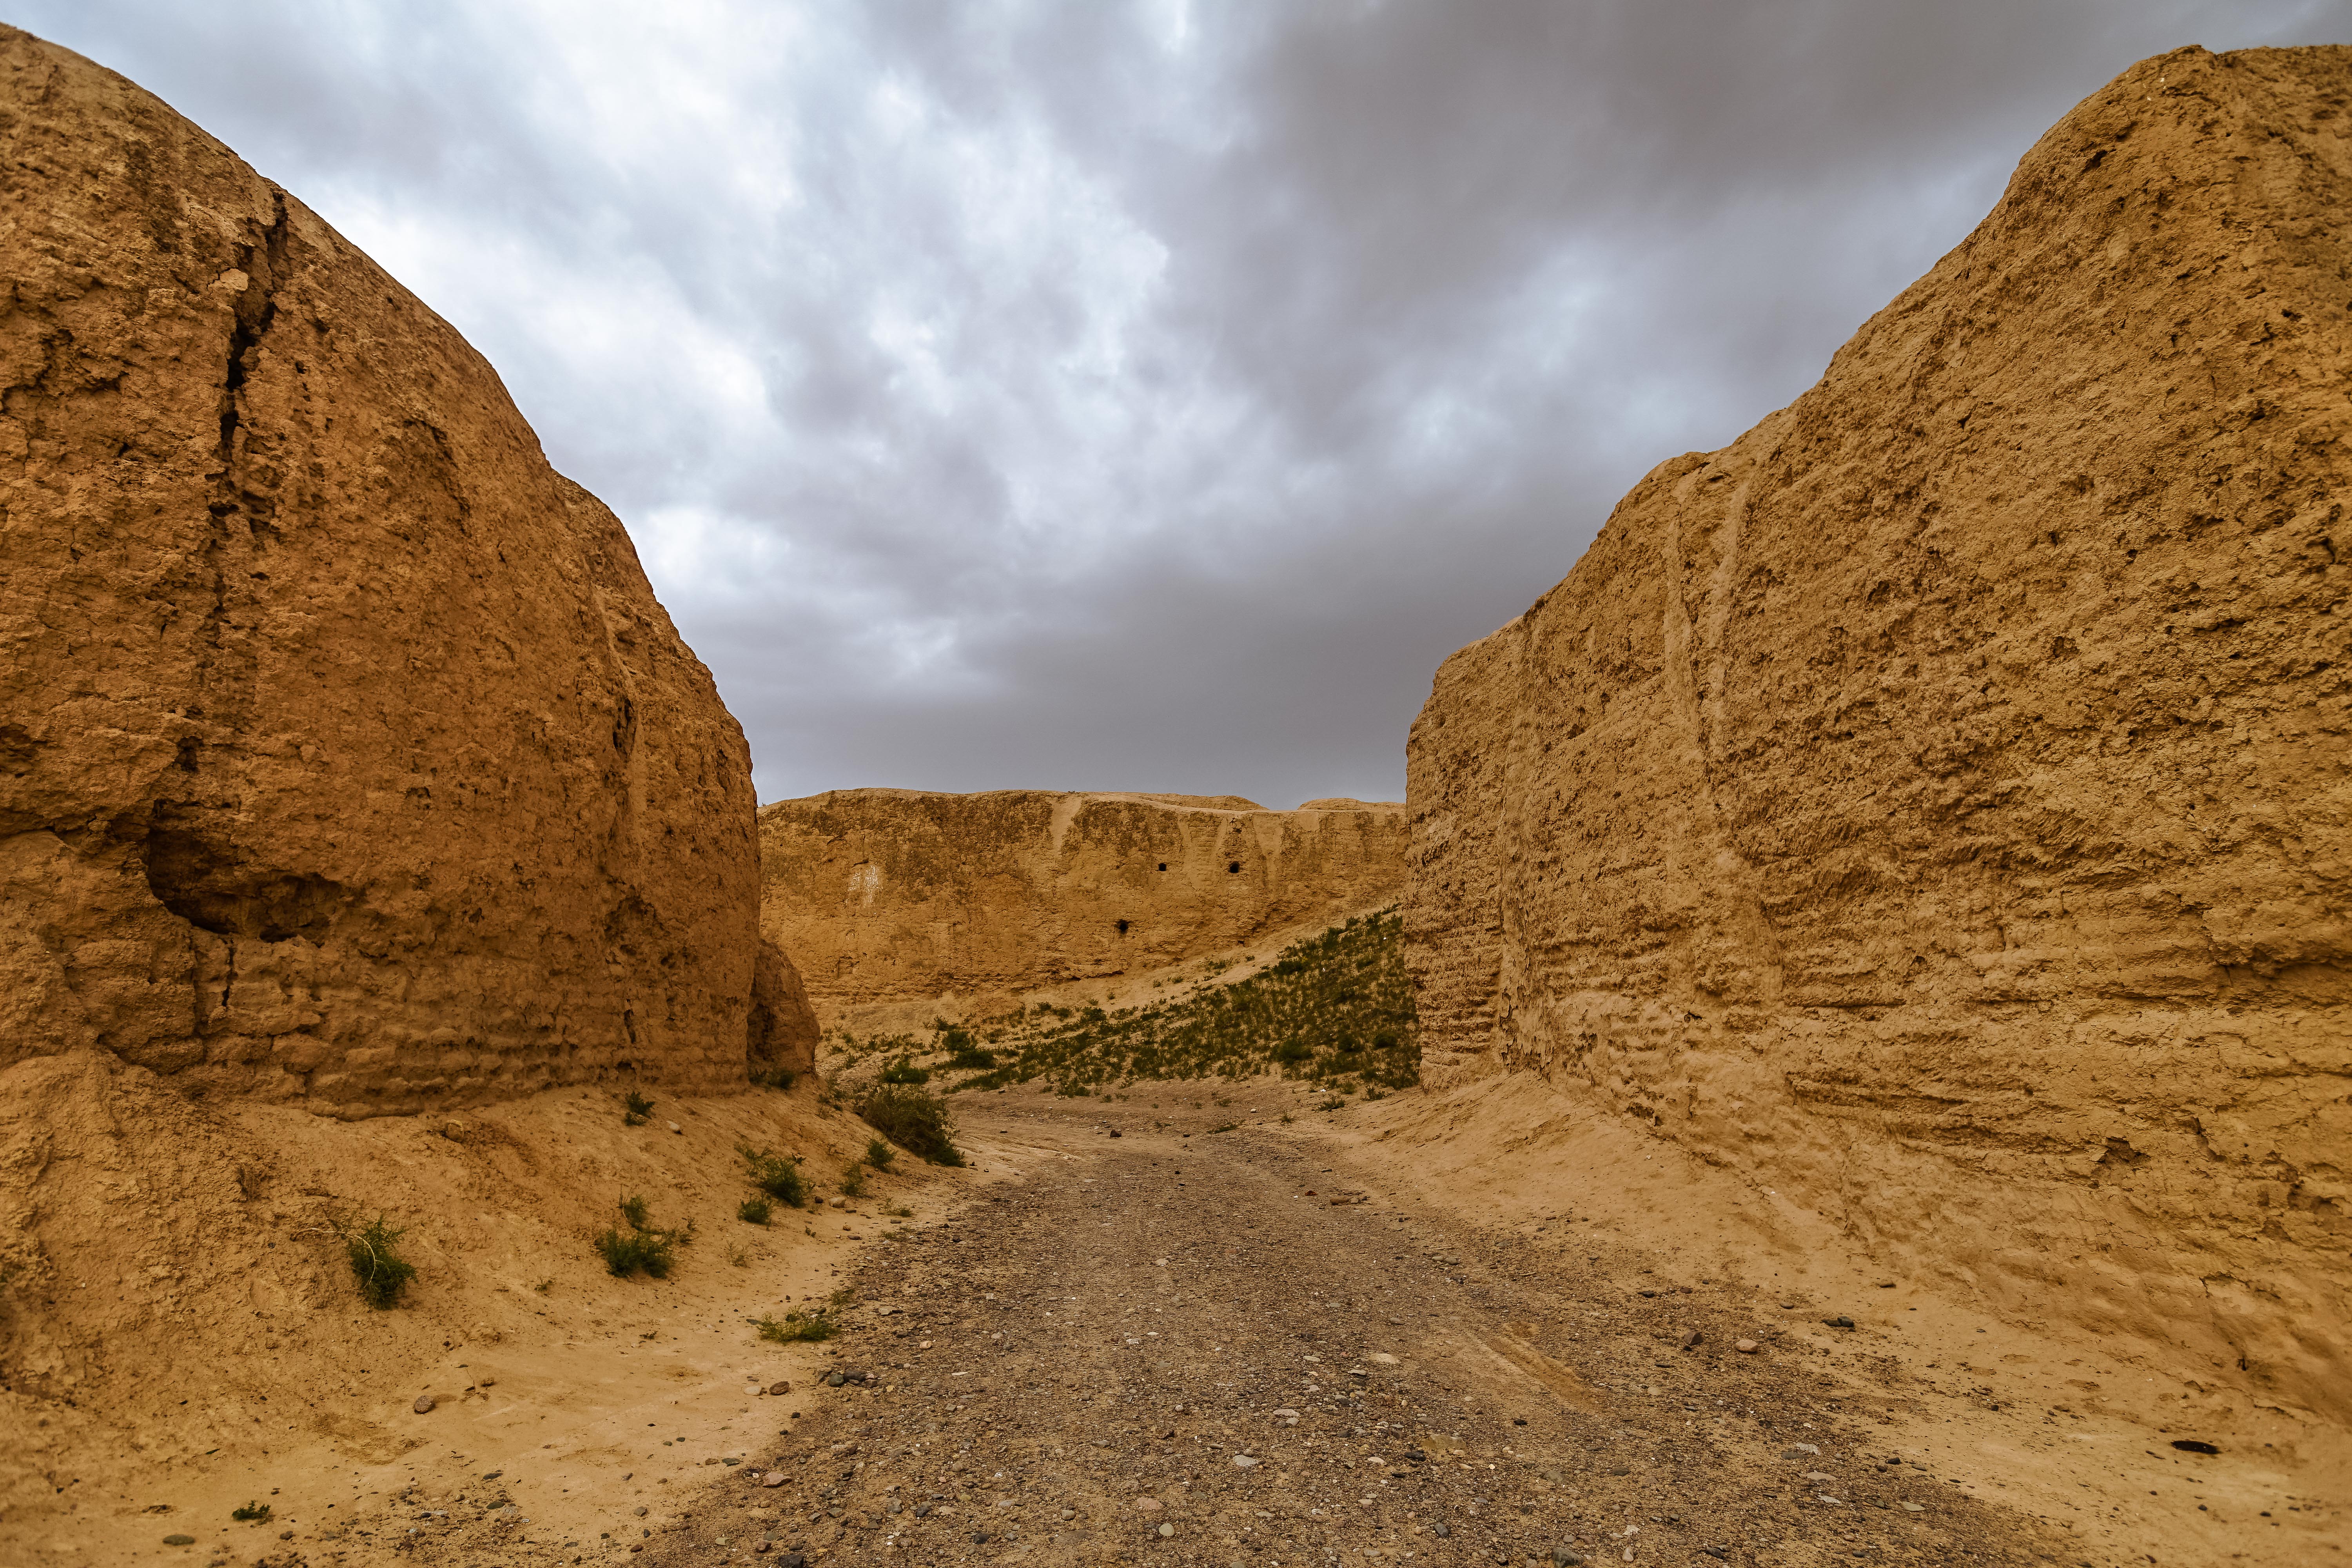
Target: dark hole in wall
(1122,928)
(1233,868)
(197,871)
(17,746)
(1163,865)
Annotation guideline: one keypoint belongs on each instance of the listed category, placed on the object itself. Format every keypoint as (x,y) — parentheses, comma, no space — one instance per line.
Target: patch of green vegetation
(643,1248)
(251,1513)
(853,1182)
(1336,1010)
(915,1119)
(754,1211)
(905,1071)
(1228,1127)
(636,1251)
(635,1108)
(383,1274)
(794,1328)
(778,1175)
(879,1153)
(964,1053)
(775,1078)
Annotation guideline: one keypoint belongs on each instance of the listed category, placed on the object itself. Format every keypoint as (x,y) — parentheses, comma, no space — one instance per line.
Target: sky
(1139,395)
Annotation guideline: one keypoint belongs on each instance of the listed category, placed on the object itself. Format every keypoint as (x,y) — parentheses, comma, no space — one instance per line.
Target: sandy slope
(183,1334)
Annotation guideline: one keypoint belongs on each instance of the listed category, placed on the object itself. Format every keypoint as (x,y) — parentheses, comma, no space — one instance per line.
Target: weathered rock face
(345,754)
(1939,803)
(890,894)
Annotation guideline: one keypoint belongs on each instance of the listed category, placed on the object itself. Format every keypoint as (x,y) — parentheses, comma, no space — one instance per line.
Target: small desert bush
(381,1272)
(647,1251)
(754,1211)
(904,1071)
(641,1248)
(778,1175)
(635,1108)
(794,1328)
(853,1182)
(973,1058)
(879,1153)
(775,1078)
(915,1121)
(251,1513)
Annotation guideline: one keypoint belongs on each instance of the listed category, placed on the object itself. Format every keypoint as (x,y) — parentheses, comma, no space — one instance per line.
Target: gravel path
(1169,1347)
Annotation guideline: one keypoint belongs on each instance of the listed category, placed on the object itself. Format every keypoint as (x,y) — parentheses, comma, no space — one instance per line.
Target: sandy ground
(1506,1263)
(187,1338)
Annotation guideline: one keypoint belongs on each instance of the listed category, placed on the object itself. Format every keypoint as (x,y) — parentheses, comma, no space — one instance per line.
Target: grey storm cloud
(1134,396)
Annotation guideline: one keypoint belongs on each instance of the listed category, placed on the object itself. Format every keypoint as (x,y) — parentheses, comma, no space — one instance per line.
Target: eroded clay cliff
(888,895)
(1935,804)
(345,754)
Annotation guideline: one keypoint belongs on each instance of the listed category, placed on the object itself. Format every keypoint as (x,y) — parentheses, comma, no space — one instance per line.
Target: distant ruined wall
(897,895)
(1937,805)
(345,755)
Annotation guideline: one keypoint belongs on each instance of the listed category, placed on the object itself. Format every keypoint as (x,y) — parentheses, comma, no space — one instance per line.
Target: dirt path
(1173,1346)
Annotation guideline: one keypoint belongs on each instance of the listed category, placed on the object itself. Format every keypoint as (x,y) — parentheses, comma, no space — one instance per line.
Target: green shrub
(635,1108)
(381,1272)
(853,1182)
(794,1328)
(904,1071)
(1293,1051)
(879,1153)
(649,1252)
(775,1078)
(643,1248)
(778,1175)
(251,1513)
(973,1058)
(915,1121)
(754,1211)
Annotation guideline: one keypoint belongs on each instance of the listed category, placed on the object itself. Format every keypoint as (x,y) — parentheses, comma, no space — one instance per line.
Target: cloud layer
(1134,396)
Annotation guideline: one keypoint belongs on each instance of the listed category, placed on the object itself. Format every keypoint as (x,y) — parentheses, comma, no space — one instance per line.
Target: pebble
(1563,1557)
(1443,1531)
(1243,1462)
(1165,1529)
(179,1541)
(677,1129)
(1147,1505)
(773,1478)
(1746,1347)
(780,1387)
(1799,1450)
(423,1403)
(1839,1321)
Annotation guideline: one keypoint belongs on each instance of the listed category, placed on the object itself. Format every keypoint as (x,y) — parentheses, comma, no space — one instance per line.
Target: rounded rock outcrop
(345,753)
